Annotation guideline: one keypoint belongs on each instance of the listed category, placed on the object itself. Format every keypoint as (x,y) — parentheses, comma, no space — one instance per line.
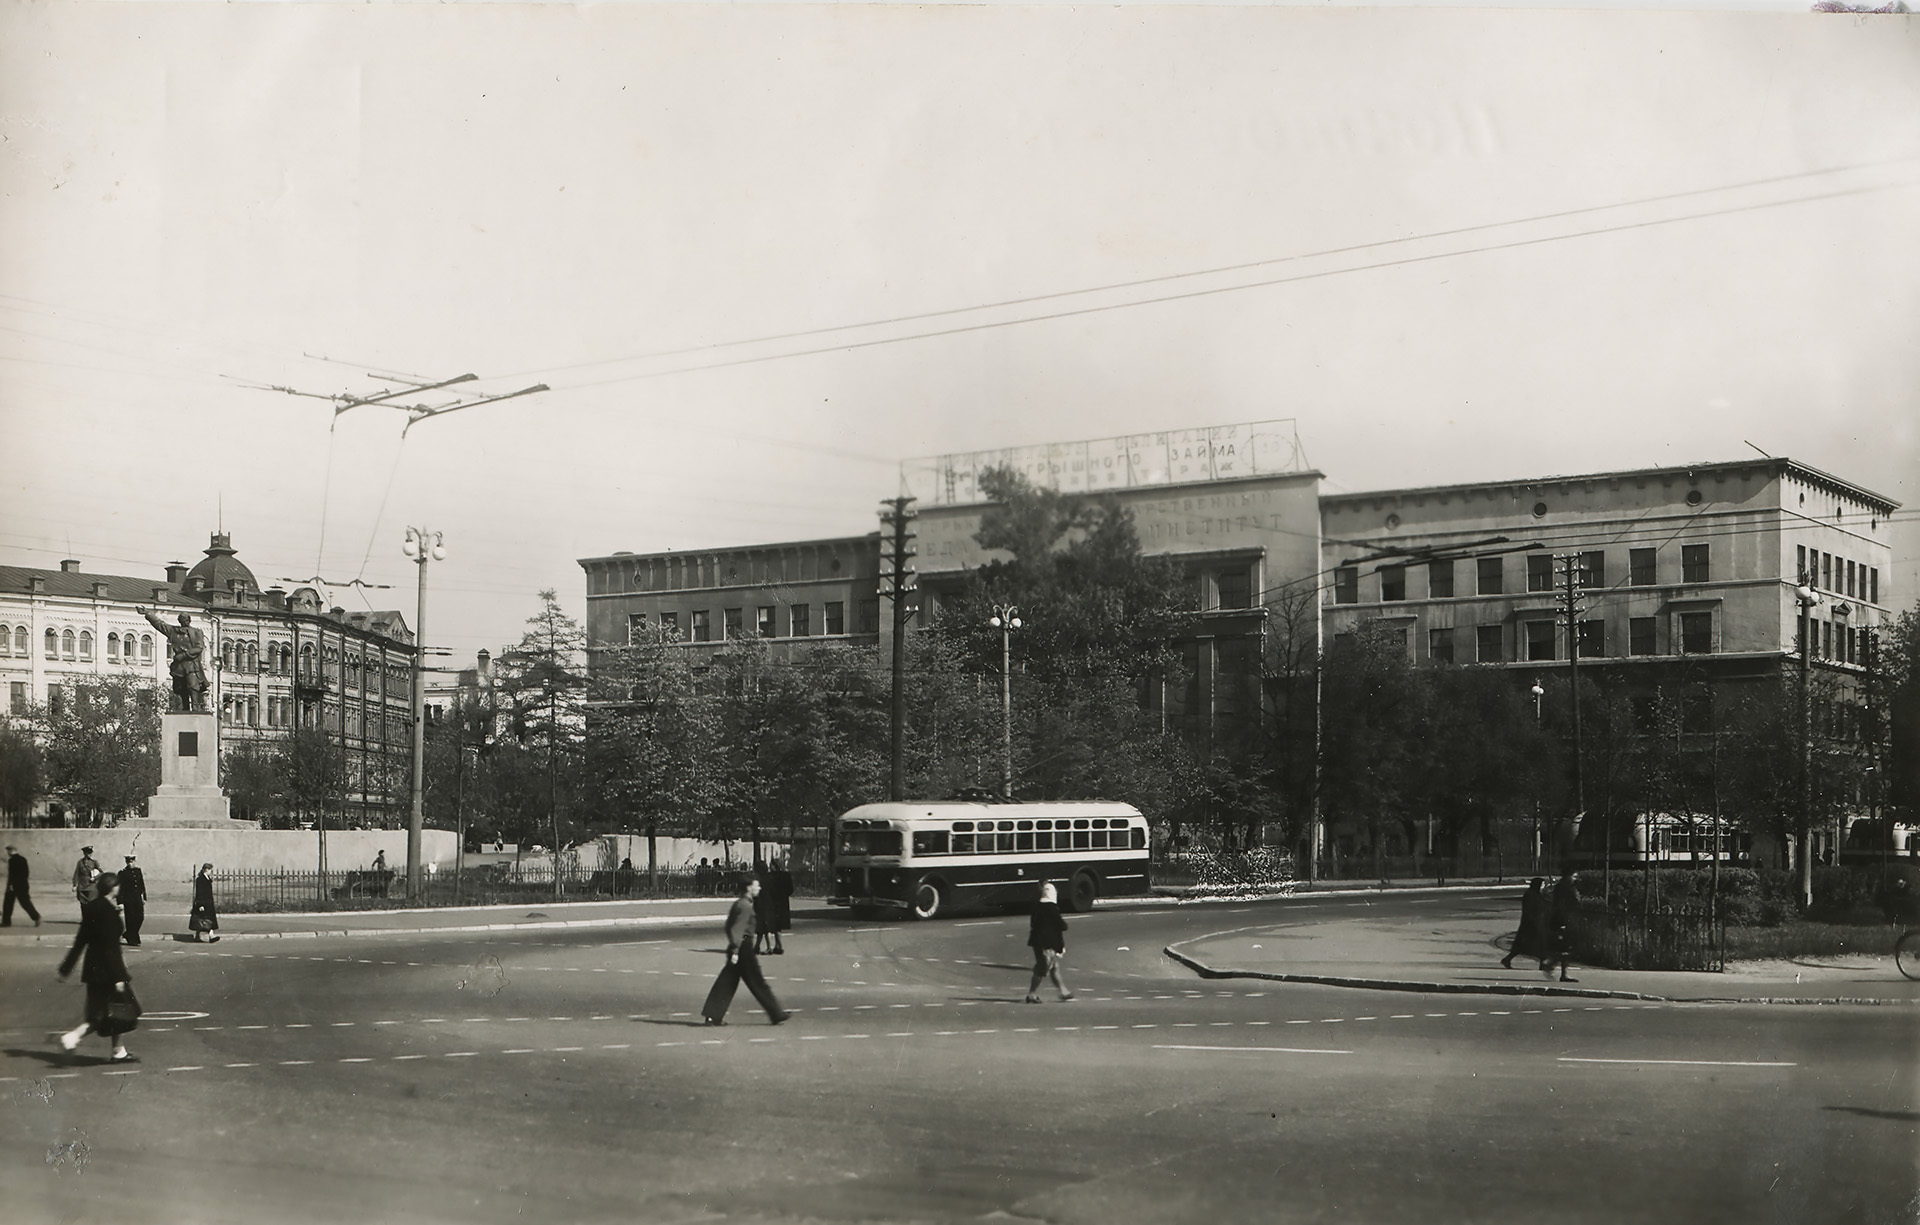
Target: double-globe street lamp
(1006,619)
(422,546)
(1538,693)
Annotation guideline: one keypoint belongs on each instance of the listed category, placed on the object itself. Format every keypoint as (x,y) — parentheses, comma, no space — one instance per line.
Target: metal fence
(1679,939)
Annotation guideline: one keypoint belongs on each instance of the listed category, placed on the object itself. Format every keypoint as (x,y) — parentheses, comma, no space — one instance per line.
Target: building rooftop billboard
(1131,461)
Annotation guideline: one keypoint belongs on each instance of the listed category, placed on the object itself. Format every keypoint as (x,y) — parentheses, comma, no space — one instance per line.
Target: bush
(1749,897)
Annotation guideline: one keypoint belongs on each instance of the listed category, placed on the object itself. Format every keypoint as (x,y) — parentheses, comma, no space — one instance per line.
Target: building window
(1850,580)
(1492,573)
(1800,562)
(56,700)
(1640,635)
(836,617)
(1826,571)
(1851,657)
(763,622)
(1236,588)
(670,626)
(636,627)
(730,623)
(1393,582)
(1696,633)
(869,622)
(1440,579)
(1593,639)
(1440,646)
(1693,563)
(802,619)
(6,640)
(1826,640)
(1873,597)
(1539,640)
(86,644)
(53,644)
(702,625)
(66,644)
(1593,569)
(1486,644)
(1539,572)
(1640,567)
(17,697)
(1346,585)
(113,648)
(146,648)
(20,638)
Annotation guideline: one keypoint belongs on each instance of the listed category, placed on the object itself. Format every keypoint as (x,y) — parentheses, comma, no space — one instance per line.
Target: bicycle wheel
(1906,953)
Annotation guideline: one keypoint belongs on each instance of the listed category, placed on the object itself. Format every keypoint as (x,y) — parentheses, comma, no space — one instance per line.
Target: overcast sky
(1454,245)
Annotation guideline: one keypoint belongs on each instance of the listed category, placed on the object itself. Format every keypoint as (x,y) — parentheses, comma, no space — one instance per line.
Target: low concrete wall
(168,858)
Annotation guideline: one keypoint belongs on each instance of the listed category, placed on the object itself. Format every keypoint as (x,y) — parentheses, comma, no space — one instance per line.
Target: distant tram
(928,858)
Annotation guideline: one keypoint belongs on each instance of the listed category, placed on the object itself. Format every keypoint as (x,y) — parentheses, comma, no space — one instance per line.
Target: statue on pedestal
(186,645)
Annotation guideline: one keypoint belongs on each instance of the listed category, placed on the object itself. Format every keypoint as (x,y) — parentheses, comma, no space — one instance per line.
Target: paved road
(560,1074)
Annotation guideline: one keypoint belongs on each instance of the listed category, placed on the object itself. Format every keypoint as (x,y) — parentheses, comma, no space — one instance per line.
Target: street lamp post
(1538,693)
(1809,599)
(422,546)
(1006,619)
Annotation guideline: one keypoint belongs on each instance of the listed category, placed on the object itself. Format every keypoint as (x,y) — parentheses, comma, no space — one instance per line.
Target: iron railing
(1678,939)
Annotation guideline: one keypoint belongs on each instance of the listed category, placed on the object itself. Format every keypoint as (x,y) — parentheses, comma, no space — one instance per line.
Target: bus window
(1043,841)
(929,841)
(963,844)
(1023,842)
(1005,841)
(963,827)
(1004,825)
(1079,838)
(1080,823)
(870,842)
(1099,838)
(1139,837)
(1023,825)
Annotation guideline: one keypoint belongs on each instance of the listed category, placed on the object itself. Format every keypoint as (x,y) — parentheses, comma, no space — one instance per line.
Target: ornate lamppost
(1006,619)
(422,546)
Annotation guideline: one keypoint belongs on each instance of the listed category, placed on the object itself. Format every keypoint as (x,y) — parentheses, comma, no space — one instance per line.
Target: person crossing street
(743,964)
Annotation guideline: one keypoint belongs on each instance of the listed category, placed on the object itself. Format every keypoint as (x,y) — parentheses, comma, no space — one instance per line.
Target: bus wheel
(1081,893)
(929,900)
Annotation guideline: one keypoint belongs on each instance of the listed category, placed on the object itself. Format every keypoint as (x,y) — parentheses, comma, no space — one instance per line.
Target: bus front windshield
(869,842)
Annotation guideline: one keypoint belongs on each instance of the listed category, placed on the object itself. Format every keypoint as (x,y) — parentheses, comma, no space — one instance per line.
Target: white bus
(929,857)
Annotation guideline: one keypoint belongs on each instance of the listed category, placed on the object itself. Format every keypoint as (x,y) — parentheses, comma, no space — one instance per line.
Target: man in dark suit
(743,964)
(133,899)
(17,890)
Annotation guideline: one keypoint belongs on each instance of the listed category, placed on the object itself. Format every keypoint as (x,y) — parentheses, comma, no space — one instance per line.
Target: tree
(313,768)
(21,778)
(1372,709)
(543,692)
(254,777)
(652,740)
(100,751)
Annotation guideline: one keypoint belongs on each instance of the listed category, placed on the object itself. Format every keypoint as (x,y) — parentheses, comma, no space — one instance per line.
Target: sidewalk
(1460,952)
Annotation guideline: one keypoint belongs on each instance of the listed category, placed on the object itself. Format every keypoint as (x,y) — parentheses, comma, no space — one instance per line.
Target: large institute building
(276,660)
(1695,568)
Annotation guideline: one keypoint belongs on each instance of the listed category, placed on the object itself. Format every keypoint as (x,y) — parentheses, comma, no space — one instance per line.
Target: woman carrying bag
(112,1009)
(202,918)
(1047,937)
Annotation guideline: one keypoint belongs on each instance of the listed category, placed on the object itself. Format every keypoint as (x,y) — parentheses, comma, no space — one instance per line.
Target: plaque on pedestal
(189,794)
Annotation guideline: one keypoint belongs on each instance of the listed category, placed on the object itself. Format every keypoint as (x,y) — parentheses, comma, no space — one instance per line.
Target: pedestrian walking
(133,899)
(779,914)
(84,870)
(1047,937)
(703,878)
(1531,940)
(743,965)
(1561,909)
(112,1009)
(17,890)
(202,918)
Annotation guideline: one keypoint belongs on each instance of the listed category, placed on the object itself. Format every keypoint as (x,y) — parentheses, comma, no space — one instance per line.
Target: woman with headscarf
(104,972)
(202,918)
(1047,937)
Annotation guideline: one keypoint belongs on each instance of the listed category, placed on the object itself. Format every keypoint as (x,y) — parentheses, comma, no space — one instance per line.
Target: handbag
(200,923)
(123,1011)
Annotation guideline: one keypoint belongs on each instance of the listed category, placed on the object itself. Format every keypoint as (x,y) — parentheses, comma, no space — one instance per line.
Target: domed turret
(219,571)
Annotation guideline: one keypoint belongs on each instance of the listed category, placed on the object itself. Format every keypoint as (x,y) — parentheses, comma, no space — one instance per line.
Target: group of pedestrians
(1546,926)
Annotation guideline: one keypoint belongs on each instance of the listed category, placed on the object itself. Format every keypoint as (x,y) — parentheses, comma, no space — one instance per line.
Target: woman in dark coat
(202,919)
(104,972)
(1047,937)
(1531,939)
(777,890)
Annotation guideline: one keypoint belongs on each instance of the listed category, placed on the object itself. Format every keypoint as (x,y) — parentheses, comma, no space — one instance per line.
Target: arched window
(86,644)
(113,648)
(66,644)
(226,654)
(6,640)
(53,643)
(146,648)
(253,712)
(20,641)
(253,657)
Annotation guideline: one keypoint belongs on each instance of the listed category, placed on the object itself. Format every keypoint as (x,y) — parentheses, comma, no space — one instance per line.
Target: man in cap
(83,873)
(133,899)
(17,890)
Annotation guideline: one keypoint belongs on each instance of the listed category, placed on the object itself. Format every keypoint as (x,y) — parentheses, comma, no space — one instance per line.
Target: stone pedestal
(189,796)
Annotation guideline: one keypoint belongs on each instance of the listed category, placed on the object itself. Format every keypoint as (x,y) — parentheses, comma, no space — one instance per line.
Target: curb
(467,929)
(1390,984)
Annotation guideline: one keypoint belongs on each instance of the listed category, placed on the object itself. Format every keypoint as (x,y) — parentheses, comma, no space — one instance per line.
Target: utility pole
(1809,599)
(1574,576)
(422,546)
(896,578)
